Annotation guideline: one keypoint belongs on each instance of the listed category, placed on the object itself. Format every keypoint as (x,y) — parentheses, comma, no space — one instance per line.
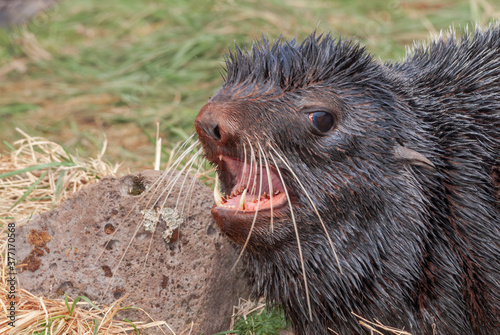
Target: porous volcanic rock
(186,282)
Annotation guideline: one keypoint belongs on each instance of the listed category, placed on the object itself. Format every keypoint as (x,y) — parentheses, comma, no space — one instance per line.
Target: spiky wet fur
(418,248)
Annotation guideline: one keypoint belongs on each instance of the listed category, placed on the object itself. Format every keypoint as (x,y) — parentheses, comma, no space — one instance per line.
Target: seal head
(361,189)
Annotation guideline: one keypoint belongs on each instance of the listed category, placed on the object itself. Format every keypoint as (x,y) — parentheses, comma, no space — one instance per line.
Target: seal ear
(413,157)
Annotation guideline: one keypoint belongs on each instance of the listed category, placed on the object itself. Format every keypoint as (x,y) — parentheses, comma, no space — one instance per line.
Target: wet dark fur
(418,248)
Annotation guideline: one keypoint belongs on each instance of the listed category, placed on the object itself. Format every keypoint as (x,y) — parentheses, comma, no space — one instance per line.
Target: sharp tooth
(242,200)
(217,194)
(220,157)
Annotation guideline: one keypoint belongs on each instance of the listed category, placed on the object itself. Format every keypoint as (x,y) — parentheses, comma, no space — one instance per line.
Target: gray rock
(77,247)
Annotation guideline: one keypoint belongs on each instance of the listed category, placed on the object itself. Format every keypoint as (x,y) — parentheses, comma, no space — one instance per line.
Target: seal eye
(323,121)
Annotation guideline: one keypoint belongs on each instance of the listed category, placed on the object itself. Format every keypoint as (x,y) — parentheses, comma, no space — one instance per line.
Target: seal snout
(212,123)
(208,125)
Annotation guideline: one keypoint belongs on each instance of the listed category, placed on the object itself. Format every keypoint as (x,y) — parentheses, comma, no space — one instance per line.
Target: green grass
(268,321)
(116,67)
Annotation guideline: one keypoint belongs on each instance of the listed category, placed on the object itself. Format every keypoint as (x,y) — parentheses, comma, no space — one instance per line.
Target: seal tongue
(249,193)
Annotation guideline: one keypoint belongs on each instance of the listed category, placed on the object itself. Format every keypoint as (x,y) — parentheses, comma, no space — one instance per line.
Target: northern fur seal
(363,189)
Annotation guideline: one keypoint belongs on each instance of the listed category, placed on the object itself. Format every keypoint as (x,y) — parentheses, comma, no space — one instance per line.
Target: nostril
(216,133)
(211,129)
(210,123)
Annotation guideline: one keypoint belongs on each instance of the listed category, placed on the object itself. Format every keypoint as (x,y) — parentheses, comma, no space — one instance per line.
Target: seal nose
(207,123)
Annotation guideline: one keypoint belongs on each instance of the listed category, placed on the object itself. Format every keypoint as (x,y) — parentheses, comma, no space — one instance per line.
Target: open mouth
(248,188)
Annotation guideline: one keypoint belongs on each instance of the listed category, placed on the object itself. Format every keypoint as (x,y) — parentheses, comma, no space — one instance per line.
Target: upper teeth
(242,200)
(221,200)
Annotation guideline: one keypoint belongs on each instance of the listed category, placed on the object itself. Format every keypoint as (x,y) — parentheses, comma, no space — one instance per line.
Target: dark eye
(323,121)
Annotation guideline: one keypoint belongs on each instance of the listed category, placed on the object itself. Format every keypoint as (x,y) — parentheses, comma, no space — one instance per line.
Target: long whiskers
(169,187)
(284,160)
(297,236)
(255,215)
(270,183)
(252,160)
(180,148)
(245,160)
(174,180)
(156,184)
(173,166)
(190,188)
(152,191)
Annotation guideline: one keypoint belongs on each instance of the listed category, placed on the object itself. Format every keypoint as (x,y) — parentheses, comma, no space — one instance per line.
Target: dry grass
(35,176)
(245,308)
(377,327)
(39,315)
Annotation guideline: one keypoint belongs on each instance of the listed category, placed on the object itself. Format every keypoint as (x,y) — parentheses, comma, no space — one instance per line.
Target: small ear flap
(413,157)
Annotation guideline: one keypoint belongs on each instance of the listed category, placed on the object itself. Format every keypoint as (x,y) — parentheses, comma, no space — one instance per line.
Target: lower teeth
(217,194)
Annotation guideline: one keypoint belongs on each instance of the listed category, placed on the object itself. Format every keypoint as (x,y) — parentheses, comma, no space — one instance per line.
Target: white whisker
(298,239)
(173,166)
(155,185)
(178,175)
(169,187)
(245,160)
(270,183)
(252,159)
(189,192)
(312,204)
(191,186)
(152,191)
(184,171)
(253,221)
(180,148)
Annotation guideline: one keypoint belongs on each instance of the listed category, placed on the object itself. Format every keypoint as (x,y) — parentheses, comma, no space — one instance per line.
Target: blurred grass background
(87,70)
